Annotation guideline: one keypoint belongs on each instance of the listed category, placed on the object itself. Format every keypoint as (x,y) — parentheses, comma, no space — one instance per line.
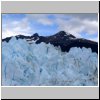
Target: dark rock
(62,39)
(6,39)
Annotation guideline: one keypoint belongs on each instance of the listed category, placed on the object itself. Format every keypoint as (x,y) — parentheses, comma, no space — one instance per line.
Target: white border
(50,0)
(98,49)
(0,48)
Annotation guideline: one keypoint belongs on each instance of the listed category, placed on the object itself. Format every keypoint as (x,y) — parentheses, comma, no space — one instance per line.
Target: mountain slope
(62,39)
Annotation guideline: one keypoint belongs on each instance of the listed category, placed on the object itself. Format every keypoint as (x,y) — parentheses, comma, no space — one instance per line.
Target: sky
(81,25)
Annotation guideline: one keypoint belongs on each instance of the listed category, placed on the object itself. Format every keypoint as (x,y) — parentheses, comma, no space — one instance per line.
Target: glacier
(25,64)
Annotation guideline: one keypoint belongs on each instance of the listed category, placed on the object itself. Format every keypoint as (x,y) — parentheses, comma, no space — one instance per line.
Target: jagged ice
(25,64)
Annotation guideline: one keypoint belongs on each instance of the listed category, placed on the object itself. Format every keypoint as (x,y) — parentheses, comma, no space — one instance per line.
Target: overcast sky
(80,25)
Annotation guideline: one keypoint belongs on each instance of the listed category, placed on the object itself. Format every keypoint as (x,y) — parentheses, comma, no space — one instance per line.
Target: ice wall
(25,64)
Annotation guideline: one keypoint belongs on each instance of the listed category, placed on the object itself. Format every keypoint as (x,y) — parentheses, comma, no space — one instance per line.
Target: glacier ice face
(25,64)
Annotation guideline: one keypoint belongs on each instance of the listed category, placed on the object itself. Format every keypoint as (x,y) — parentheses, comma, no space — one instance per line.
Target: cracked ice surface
(45,65)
